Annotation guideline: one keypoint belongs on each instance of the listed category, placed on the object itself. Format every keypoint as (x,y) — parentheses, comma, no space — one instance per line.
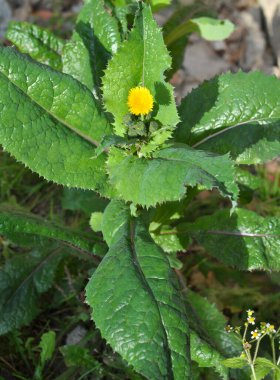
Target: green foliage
(50,122)
(243,240)
(147,318)
(77,356)
(209,28)
(182,15)
(245,127)
(52,119)
(47,345)
(83,200)
(95,38)
(259,366)
(237,362)
(39,43)
(145,41)
(15,223)
(263,367)
(210,344)
(164,177)
(22,280)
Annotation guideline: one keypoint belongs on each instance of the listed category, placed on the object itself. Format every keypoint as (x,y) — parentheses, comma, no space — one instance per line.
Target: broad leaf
(236,362)
(182,15)
(165,177)
(15,222)
(170,243)
(95,38)
(134,65)
(209,323)
(210,344)
(157,4)
(236,113)
(247,179)
(137,306)
(263,366)
(206,356)
(40,44)
(209,28)
(50,122)
(114,218)
(82,200)
(22,280)
(244,240)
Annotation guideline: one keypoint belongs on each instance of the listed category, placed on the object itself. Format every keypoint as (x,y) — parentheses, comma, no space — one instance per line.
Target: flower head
(229,328)
(250,312)
(270,328)
(251,320)
(140,101)
(255,334)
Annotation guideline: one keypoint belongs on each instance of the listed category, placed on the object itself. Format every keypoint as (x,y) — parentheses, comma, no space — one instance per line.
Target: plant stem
(245,332)
(257,349)
(273,350)
(251,364)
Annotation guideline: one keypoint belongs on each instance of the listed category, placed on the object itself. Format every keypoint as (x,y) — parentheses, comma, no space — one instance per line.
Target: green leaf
(22,280)
(83,200)
(96,221)
(15,222)
(95,38)
(182,15)
(236,113)
(244,240)
(47,346)
(262,367)
(51,123)
(164,177)
(237,362)
(136,304)
(40,44)
(209,323)
(134,65)
(168,242)
(208,28)
(77,356)
(115,217)
(247,179)
(210,343)
(206,356)
(157,4)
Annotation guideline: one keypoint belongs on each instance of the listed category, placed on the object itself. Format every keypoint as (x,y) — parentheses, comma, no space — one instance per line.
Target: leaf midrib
(32,272)
(73,129)
(225,129)
(194,164)
(149,289)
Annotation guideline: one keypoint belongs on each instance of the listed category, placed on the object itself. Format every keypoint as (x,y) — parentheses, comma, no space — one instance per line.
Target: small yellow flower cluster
(267,328)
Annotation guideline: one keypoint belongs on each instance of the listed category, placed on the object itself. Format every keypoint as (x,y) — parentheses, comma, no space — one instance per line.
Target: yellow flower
(228,328)
(250,312)
(140,101)
(255,334)
(251,320)
(270,328)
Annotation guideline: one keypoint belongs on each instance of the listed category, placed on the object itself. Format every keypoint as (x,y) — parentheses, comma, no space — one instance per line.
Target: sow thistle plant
(97,112)
(251,338)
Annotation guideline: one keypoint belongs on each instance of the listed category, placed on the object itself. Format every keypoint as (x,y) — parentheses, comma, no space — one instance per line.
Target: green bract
(64,114)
